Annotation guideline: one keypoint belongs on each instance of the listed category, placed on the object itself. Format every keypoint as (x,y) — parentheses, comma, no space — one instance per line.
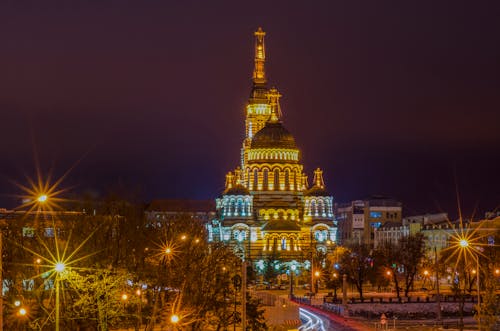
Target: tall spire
(274,102)
(259,73)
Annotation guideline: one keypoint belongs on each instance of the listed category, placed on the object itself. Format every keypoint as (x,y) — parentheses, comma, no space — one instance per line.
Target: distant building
(357,220)
(427,219)
(393,231)
(161,210)
(44,223)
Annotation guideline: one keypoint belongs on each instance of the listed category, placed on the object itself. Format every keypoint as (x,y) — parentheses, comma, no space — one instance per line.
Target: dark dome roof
(237,190)
(317,191)
(273,135)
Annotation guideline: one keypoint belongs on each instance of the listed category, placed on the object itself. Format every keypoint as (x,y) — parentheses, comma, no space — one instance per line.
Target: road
(312,321)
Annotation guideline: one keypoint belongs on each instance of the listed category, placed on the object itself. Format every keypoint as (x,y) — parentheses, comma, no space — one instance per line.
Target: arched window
(265,179)
(287,179)
(239,208)
(283,244)
(321,208)
(276,179)
(314,208)
(255,179)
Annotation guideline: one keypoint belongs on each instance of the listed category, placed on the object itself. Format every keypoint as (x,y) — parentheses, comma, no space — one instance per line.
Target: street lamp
(465,247)
(22,312)
(335,285)
(174,319)
(59,268)
(42,198)
(426,275)
(293,267)
(317,274)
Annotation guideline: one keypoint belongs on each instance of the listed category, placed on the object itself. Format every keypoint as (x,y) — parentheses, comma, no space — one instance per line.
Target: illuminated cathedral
(268,212)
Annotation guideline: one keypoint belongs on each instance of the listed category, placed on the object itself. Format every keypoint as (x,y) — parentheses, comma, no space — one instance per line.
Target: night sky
(399,98)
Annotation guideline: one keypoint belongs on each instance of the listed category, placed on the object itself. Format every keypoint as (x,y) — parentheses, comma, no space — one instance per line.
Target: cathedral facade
(268,212)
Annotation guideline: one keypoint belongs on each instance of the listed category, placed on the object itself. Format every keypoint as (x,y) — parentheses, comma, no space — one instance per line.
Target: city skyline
(406,108)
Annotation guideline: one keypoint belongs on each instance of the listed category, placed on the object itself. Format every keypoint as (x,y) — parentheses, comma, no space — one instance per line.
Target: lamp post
(438,297)
(293,267)
(59,268)
(317,274)
(464,244)
(174,319)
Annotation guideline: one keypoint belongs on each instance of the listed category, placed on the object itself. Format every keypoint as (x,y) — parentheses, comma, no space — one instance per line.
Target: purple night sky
(389,97)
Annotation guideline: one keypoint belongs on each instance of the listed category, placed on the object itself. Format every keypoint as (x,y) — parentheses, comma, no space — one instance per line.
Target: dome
(237,190)
(317,191)
(273,135)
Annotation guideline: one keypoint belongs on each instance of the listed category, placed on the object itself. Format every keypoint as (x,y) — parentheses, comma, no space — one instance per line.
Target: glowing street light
(22,312)
(42,198)
(463,243)
(60,267)
(174,319)
(124,296)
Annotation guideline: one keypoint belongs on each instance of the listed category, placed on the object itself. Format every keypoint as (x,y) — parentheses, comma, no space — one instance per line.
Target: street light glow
(60,267)
(22,312)
(464,243)
(42,198)
(124,296)
(174,318)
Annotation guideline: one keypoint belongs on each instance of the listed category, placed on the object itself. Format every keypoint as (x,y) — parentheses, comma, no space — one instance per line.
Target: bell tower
(258,109)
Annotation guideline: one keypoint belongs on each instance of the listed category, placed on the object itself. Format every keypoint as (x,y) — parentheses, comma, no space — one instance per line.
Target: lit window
(28,232)
(375,214)
(49,232)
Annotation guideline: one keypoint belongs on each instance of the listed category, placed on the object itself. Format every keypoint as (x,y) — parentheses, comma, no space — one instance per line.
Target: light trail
(313,322)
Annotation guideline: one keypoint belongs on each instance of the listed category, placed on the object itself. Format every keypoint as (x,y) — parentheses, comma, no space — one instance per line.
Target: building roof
(237,190)
(388,225)
(317,191)
(182,206)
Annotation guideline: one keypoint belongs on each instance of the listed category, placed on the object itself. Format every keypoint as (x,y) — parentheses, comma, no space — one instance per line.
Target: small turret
(229,180)
(273,97)
(318,178)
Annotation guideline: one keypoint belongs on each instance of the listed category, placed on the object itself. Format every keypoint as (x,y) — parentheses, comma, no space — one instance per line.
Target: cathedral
(268,213)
